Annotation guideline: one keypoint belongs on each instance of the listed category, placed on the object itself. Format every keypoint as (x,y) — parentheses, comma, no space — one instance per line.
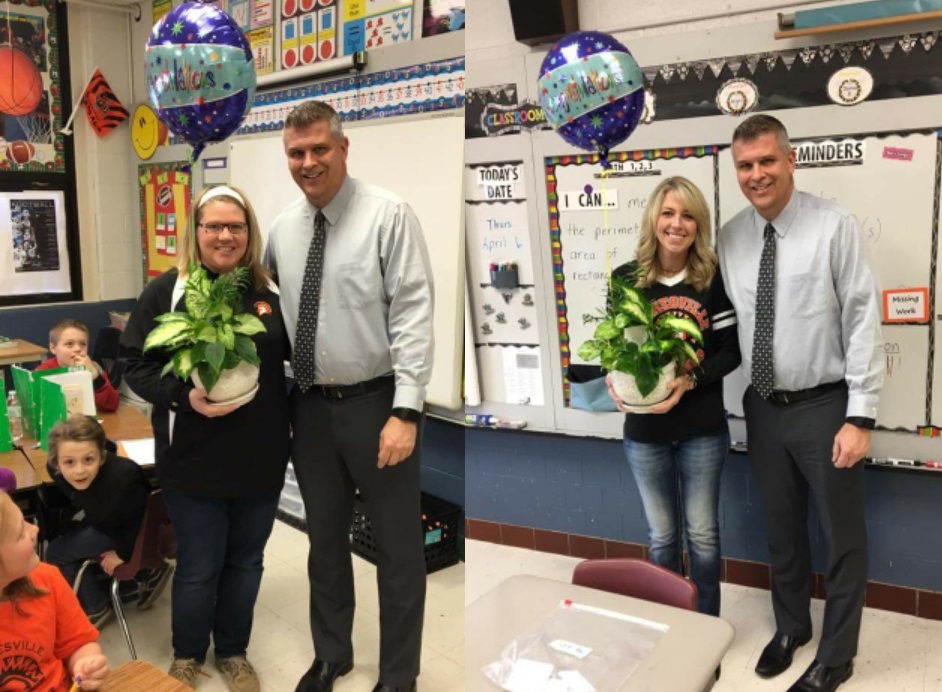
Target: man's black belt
(345,391)
(780,397)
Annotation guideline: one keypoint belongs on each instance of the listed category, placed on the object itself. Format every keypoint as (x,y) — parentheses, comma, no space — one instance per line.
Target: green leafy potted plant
(643,353)
(211,342)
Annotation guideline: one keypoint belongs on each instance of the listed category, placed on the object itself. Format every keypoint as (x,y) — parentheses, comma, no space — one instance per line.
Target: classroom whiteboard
(421,161)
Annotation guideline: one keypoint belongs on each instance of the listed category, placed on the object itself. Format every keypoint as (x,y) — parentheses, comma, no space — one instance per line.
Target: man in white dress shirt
(356,292)
(798,274)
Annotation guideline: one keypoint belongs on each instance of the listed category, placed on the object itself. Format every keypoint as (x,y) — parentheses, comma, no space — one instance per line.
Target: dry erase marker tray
(439,524)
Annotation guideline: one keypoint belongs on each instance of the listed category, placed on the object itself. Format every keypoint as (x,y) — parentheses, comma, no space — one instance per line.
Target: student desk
(26,476)
(138,676)
(23,352)
(684,660)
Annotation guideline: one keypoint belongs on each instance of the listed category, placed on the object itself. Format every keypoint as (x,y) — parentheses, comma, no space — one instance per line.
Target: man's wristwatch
(692,376)
(861,422)
(407,414)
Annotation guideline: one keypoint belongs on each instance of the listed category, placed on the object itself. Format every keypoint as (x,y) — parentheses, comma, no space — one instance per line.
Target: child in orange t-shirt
(45,638)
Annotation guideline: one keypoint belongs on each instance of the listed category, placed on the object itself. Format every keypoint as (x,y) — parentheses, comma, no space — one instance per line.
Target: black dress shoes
(777,655)
(320,677)
(380,687)
(822,678)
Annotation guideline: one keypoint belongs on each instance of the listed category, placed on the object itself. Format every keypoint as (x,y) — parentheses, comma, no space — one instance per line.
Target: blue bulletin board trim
(425,88)
(559,284)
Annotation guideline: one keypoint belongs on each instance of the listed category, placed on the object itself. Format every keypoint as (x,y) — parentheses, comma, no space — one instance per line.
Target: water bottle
(15,414)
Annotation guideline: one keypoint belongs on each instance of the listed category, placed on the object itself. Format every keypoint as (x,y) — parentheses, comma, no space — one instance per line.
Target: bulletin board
(893,188)
(164,193)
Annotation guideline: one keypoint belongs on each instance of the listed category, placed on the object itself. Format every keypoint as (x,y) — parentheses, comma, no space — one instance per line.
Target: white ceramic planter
(627,389)
(234,384)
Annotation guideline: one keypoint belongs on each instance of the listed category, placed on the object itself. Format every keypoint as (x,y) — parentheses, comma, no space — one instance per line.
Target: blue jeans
(680,489)
(220,545)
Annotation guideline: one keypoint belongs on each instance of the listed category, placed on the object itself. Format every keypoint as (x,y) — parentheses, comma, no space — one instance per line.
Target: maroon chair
(156,541)
(638,579)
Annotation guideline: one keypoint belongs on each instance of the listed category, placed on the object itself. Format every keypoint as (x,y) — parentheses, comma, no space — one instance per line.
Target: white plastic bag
(577,648)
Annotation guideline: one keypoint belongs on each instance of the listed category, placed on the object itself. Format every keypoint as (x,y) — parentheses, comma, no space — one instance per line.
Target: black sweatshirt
(700,411)
(114,502)
(239,455)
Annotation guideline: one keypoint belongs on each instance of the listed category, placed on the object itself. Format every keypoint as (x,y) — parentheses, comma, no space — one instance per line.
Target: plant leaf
(248,325)
(607,330)
(681,324)
(215,353)
(198,354)
(632,309)
(231,360)
(167,368)
(207,332)
(208,376)
(690,352)
(225,336)
(183,363)
(173,317)
(646,377)
(164,334)
(590,350)
(245,348)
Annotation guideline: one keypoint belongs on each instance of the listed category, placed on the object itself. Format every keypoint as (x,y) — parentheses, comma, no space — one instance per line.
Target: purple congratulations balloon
(200,74)
(592,91)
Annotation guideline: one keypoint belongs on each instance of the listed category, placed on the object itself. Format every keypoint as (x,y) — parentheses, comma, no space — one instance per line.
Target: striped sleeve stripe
(723,315)
(723,324)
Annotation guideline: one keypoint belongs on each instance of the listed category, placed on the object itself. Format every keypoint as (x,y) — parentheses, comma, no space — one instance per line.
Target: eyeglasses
(217,228)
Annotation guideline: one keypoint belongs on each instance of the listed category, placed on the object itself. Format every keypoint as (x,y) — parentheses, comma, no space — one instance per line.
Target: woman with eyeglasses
(221,467)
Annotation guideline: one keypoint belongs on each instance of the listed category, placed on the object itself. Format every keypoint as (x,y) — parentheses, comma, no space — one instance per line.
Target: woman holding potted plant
(677,455)
(216,317)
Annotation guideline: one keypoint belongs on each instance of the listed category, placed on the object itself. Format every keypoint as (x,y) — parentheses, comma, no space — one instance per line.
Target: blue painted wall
(443,466)
(33,323)
(584,486)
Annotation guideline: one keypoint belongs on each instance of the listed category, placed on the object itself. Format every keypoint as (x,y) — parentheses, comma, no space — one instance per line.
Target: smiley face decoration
(200,74)
(592,91)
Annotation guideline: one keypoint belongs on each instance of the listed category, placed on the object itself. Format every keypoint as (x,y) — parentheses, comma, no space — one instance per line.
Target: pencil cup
(504,278)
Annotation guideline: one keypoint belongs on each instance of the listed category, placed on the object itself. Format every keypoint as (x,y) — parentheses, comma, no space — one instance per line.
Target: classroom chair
(156,541)
(638,579)
(107,350)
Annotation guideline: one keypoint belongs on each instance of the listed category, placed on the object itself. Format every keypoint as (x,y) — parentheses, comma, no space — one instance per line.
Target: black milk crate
(440,524)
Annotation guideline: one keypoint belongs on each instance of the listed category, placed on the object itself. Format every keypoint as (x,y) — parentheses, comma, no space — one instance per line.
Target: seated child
(45,639)
(68,341)
(112,491)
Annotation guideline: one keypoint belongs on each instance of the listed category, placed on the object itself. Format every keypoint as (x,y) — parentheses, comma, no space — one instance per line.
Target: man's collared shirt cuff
(862,406)
(409,396)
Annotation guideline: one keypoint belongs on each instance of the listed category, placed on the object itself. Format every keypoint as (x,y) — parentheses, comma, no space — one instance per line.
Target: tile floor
(281,647)
(898,653)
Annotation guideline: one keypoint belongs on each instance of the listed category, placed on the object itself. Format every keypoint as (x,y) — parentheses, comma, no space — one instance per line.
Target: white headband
(221,191)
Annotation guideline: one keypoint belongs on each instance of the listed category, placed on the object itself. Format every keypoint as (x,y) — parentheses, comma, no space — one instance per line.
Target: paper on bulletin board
(164,199)
(906,305)
(262,13)
(308,34)
(239,11)
(376,24)
(33,255)
(523,377)
(262,43)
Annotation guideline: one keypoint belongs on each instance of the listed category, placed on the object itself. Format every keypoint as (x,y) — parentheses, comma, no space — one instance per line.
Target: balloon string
(608,254)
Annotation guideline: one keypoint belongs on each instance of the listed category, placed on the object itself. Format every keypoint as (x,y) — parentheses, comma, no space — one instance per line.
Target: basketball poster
(30,98)
(164,197)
